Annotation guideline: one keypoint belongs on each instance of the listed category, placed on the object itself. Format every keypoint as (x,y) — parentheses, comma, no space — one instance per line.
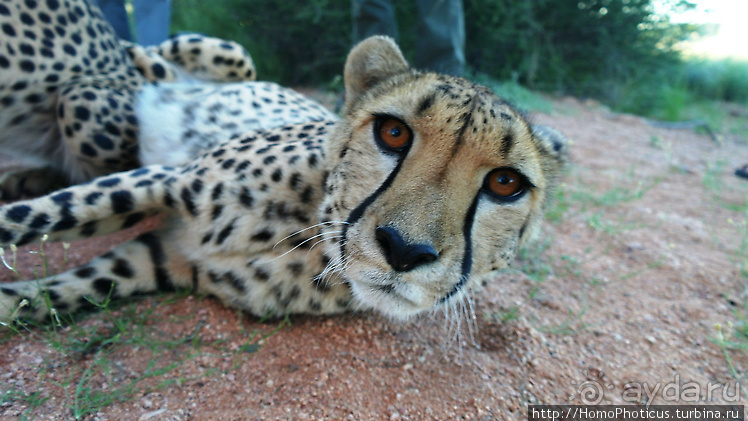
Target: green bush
(563,45)
(725,80)
(617,51)
(292,42)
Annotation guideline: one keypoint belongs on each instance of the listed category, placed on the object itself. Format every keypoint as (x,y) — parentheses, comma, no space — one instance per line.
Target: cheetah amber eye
(505,184)
(393,134)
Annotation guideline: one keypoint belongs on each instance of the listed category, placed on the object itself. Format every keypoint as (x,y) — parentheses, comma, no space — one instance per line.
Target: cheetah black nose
(403,257)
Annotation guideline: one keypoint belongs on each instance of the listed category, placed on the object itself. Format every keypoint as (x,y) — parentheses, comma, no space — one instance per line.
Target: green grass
(626,189)
(714,113)
(32,400)
(533,262)
(740,255)
(84,351)
(87,350)
(734,338)
(570,325)
(599,222)
(712,181)
(559,205)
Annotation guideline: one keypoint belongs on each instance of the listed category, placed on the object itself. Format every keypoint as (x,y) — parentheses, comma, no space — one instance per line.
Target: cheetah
(78,103)
(425,186)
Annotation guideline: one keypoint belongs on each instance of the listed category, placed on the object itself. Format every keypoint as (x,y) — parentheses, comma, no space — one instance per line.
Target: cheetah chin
(425,186)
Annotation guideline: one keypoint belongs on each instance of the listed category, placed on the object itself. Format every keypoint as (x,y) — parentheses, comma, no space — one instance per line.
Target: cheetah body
(318,217)
(78,103)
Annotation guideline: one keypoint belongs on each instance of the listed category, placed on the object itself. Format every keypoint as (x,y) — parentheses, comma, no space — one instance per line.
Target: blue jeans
(152,19)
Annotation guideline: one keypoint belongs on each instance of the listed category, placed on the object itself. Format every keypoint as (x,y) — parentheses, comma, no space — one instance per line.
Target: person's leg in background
(152,21)
(115,13)
(441,36)
(373,17)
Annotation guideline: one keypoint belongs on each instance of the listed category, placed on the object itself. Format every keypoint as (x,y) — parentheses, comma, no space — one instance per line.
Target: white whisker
(306,241)
(460,306)
(451,321)
(466,313)
(326,239)
(472,319)
(339,264)
(321,224)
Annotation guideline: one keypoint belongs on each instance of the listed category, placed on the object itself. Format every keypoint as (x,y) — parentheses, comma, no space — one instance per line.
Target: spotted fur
(313,218)
(76,102)
(192,57)
(179,121)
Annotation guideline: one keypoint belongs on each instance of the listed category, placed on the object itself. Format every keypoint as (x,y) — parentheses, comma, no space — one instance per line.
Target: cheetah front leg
(141,266)
(271,284)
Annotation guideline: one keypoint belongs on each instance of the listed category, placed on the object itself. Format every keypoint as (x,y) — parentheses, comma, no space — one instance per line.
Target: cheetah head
(434,182)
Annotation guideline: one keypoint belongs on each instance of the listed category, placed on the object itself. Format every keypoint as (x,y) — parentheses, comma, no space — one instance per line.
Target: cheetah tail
(104,205)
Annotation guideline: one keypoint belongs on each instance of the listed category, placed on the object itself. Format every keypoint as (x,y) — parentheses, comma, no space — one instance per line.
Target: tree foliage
(585,47)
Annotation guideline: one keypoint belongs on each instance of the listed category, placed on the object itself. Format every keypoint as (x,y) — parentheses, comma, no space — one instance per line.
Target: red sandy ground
(626,289)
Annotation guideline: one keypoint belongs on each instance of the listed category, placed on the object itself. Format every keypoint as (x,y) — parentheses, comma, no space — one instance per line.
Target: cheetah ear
(553,142)
(370,62)
(555,146)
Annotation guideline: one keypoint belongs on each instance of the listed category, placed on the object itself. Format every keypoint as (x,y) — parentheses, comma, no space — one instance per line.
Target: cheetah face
(434,181)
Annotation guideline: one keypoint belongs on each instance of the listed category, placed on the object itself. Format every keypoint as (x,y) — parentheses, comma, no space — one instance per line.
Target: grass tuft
(84,366)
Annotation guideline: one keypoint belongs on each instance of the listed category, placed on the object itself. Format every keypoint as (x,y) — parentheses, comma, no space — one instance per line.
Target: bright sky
(731,39)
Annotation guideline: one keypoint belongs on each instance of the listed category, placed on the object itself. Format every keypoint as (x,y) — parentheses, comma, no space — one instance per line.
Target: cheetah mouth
(387,299)
(392,292)
(399,295)
(397,298)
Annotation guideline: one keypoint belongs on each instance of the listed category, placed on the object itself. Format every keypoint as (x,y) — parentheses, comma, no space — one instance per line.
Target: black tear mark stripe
(467,258)
(356,214)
